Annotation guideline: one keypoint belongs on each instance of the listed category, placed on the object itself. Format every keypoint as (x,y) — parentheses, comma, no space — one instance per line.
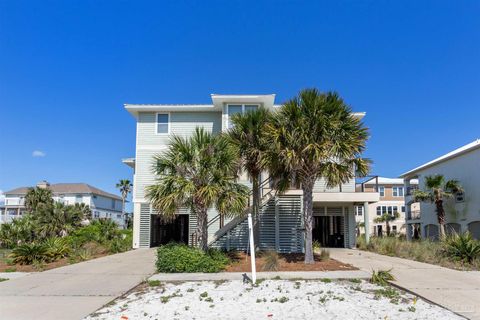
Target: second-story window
(382,191)
(239,108)
(397,191)
(163,123)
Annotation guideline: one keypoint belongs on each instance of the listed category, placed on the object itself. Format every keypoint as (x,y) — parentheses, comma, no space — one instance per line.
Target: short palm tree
(125,187)
(437,190)
(315,135)
(37,197)
(248,135)
(387,218)
(59,220)
(198,172)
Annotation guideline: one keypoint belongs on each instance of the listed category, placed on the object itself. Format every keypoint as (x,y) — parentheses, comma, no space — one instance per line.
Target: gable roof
(455,153)
(69,188)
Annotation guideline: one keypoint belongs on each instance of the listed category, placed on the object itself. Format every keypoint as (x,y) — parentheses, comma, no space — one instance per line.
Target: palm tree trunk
(441,217)
(123,212)
(387,224)
(202,228)
(307,188)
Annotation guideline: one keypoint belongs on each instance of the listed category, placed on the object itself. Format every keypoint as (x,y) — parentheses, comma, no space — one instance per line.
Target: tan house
(392,201)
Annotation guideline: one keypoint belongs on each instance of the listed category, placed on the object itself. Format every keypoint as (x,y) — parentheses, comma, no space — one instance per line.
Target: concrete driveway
(458,291)
(74,291)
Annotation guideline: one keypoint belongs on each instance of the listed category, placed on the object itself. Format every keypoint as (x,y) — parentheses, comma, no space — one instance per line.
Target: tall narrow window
(163,123)
(381,189)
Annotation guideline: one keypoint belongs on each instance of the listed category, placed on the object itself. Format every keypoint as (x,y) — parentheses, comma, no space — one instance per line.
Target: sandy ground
(270,299)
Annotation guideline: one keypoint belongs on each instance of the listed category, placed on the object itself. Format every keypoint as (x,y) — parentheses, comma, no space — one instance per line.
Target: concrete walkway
(458,291)
(74,291)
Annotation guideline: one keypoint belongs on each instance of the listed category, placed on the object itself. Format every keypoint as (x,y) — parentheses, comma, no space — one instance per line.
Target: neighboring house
(101,203)
(391,191)
(281,225)
(462,213)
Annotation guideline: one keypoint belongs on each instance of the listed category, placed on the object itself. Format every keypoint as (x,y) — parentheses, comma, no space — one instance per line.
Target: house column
(366,221)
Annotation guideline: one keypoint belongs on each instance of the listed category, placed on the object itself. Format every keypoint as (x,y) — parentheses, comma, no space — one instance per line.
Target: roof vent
(43,184)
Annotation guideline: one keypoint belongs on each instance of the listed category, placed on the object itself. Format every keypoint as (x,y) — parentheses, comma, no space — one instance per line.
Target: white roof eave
(455,153)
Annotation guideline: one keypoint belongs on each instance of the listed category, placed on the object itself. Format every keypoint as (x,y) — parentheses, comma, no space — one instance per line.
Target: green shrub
(20,230)
(57,248)
(271,261)
(29,253)
(172,258)
(122,243)
(381,277)
(90,233)
(461,247)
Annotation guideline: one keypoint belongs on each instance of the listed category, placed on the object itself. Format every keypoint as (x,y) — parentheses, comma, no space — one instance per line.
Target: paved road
(458,291)
(74,291)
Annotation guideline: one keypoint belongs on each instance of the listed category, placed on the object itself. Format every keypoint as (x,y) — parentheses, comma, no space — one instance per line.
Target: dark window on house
(163,123)
(459,197)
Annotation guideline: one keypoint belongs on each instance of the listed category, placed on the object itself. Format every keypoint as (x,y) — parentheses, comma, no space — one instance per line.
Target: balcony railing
(413,215)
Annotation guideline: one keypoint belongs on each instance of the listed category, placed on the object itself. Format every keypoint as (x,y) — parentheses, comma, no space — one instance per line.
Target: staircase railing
(235,221)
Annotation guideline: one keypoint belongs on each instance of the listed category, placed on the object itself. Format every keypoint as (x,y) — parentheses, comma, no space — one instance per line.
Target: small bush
(173,258)
(271,261)
(154,283)
(462,247)
(28,253)
(57,248)
(316,245)
(381,277)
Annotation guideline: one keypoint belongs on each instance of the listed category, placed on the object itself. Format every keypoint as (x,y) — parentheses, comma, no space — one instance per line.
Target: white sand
(271,299)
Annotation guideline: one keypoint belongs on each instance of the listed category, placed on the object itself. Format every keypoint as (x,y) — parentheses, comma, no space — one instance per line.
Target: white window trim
(237,104)
(398,189)
(380,192)
(156,124)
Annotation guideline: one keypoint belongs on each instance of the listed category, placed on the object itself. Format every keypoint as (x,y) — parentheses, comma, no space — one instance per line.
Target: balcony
(413,215)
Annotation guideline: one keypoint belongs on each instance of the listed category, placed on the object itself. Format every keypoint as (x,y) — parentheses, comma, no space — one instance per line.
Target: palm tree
(387,218)
(125,187)
(437,189)
(316,135)
(37,197)
(198,173)
(59,220)
(248,135)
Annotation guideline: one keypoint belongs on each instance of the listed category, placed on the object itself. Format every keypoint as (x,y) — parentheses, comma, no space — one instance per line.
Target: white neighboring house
(281,219)
(391,191)
(462,213)
(101,203)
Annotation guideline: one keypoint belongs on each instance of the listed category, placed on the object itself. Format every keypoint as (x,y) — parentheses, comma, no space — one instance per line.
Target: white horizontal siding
(144,175)
(181,124)
(321,186)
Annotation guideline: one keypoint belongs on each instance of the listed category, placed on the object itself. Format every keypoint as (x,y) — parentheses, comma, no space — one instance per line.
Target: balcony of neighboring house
(413,215)
(8,213)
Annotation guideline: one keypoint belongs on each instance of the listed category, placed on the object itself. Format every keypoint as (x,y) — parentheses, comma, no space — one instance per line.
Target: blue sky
(67,68)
